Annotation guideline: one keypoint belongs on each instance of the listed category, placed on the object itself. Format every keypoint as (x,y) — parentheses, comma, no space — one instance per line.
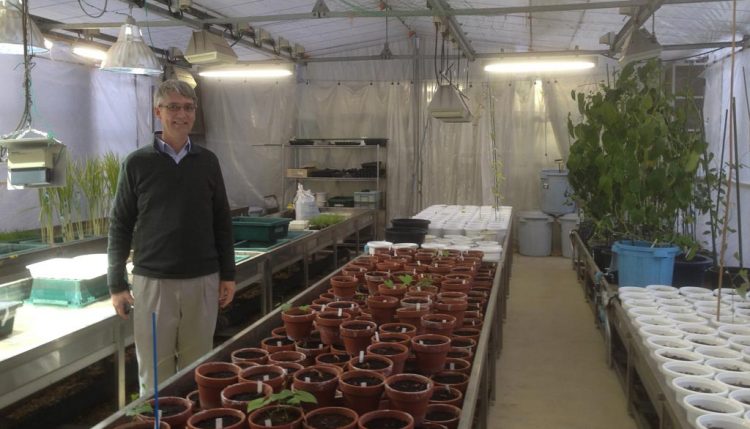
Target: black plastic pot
(692,272)
(8,316)
(405,235)
(602,254)
(410,223)
(731,277)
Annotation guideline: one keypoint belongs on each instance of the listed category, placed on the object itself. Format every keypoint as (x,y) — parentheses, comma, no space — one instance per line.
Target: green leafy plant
(633,162)
(424,281)
(288,306)
(389,284)
(325,220)
(285,397)
(406,279)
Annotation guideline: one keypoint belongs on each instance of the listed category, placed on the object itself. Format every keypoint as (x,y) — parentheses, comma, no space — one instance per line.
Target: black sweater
(176,216)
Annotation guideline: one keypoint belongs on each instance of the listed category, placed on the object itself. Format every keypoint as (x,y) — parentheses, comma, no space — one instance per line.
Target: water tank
(556,193)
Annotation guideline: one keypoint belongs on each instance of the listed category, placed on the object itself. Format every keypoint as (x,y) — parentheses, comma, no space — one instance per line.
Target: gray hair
(174,85)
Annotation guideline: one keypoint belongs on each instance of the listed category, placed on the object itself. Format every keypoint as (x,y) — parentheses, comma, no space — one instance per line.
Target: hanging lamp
(11,30)
(130,54)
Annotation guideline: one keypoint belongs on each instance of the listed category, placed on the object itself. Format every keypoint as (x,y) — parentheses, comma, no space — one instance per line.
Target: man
(172,207)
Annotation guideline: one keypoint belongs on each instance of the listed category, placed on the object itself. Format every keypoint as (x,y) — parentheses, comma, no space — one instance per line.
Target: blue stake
(156,373)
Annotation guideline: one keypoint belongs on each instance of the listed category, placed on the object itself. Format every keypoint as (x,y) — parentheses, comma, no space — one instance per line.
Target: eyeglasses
(175,107)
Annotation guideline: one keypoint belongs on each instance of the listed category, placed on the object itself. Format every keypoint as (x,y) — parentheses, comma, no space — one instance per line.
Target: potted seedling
(409,393)
(279,411)
(226,418)
(298,321)
(320,380)
(331,418)
(362,389)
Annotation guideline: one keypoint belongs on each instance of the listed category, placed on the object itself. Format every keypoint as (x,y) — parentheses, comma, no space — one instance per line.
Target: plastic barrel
(556,193)
(568,223)
(534,233)
(639,264)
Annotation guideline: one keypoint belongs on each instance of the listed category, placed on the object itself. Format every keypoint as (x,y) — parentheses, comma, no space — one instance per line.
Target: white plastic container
(729,331)
(713,421)
(739,342)
(728,366)
(534,233)
(742,396)
(694,328)
(675,369)
(568,223)
(737,381)
(665,355)
(716,353)
(682,387)
(717,403)
(699,340)
(658,342)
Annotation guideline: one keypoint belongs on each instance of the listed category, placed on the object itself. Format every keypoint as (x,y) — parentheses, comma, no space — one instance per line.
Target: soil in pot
(174,410)
(230,419)
(356,335)
(319,380)
(275,344)
(212,378)
(446,395)
(362,390)
(409,393)
(250,354)
(273,375)
(386,419)
(403,328)
(376,363)
(279,415)
(338,359)
(329,421)
(397,353)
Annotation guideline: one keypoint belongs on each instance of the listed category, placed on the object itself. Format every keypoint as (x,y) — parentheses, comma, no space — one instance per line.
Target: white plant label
(341,312)
(403,330)
(464,281)
(419,262)
(445,321)
(421,343)
(361,356)
(307,379)
(352,306)
(268,422)
(5,317)
(160,411)
(377,337)
(452,366)
(279,343)
(320,345)
(418,306)
(265,377)
(414,271)
(260,387)
(323,307)
(219,423)
(363,384)
(419,288)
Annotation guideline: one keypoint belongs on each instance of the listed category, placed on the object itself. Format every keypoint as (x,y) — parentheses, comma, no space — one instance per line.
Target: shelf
(337,179)
(334,146)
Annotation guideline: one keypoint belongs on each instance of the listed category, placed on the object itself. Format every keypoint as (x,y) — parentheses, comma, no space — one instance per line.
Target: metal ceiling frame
(453,27)
(641,15)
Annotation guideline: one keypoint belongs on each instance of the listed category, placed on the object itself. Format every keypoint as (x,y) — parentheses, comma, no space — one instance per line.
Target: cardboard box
(298,172)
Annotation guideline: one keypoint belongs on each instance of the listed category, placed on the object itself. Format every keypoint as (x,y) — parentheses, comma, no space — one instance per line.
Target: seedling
(389,284)
(406,279)
(426,281)
(285,397)
(288,306)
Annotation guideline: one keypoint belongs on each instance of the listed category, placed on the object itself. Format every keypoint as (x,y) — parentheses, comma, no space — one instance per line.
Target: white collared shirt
(176,156)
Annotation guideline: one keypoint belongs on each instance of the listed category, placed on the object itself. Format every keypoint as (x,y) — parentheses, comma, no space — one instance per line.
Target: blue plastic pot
(639,264)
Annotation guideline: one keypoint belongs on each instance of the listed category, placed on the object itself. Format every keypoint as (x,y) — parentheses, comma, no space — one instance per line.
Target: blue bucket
(639,264)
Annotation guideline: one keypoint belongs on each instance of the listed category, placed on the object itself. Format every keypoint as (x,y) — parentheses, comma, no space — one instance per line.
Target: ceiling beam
(639,17)
(494,11)
(454,28)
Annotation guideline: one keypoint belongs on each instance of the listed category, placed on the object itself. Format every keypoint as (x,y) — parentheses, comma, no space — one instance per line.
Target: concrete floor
(552,372)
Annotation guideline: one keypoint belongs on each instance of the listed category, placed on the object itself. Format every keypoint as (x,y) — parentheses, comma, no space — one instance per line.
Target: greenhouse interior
(374,214)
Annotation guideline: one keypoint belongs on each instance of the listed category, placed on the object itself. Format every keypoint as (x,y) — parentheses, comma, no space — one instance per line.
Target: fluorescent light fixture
(11,31)
(130,54)
(252,71)
(547,65)
(89,50)
(208,48)
(641,45)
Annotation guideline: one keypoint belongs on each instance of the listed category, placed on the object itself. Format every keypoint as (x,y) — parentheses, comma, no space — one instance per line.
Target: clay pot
(464,332)
(392,337)
(389,266)
(249,355)
(416,268)
(279,332)
(468,276)
(431,425)
(257,418)
(374,278)
(272,375)
(362,398)
(447,395)
(311,349)
(238,395)
(452,296)
(382,308)
(275,344)
(480,303)
(403,328)
(212,378)
(338,348)
(328,323)
(446,415)
(344,287)
(319,380)
(231,419)
(412,317)
(455,364)
(350,307)
(397,353)
(415,302)
(338,413)
(287,356)
(430,351)
(180,410)
(375,363)
(461,353)
(356,335)
(354,270)
(440,324)
(464,343)
(322,301)
(143,425)
(433,278)
(298,323)
(195,399)
(399,419)
(455,309)
(289,368)
(439,268)
(454,285)
(398,290)
(455,379)
(470,322)
(423,294)
(464,267)
(409,393)
(340,360)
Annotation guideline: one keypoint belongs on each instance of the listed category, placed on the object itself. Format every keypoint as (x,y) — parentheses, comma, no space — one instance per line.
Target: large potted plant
(633,167)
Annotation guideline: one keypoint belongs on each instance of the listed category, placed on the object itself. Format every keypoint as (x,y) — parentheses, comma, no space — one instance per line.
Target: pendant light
(130,54)
(11,30)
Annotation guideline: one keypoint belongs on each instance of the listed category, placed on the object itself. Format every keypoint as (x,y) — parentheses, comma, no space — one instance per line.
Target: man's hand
(226,293)
(122,301)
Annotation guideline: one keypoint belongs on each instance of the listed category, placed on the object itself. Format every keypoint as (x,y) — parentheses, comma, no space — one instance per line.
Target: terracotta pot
(416,268)
(231,419)
(452,296)
(257,418)
(430,351)
(322,301)
(475,254)
(211,378)
(238,395)
(310,350)
(328,295)
(350,307)
(275,344)
(440,324)
(470,322)
(389,266)
(454,285)
(175,411)
(356,335)
(446,258)
(340,360)
(446,415)
(415,302)
(398,290)
(423,294)
(447,395)
(464,332)
(409,393)
(392,337)
(272,375)
(399,419)
(314,419)
(403,328)
(365,261)
(287,356)
(473,307)
(455,364)
(142,425)
(195,399)
(298,323)
(279,332)
(454,379)
(468,276)
(338,348)
(382,308)
(328,323)
(461,353)
(434,280)
(455,309)
(480,303)
(344,287)
(412,317)
(464,343)
(439,268)
(289,368)
(375,363)
(249,355)
(463,267)
(431,425)
(319,380)
(474,314)
(362,398)
(397,353)
(374,278)
(354,270)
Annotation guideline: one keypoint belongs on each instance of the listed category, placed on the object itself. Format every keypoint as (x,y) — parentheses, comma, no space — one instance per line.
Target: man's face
(176,113)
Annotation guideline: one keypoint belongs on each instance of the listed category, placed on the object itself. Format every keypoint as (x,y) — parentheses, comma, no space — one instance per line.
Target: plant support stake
(156,372)
(737,181)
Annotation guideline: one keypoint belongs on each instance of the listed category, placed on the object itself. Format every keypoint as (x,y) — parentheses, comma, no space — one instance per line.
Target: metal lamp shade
(11,31)
(130,54)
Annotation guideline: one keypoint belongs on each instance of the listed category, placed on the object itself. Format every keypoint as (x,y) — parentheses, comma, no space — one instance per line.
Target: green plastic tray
(260,229)
(71,293)
(265,247)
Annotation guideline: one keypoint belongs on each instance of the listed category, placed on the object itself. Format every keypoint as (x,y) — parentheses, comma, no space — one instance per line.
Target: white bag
(304,204)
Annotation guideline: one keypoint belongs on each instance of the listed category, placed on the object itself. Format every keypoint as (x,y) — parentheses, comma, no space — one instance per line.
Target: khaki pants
(186,311)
